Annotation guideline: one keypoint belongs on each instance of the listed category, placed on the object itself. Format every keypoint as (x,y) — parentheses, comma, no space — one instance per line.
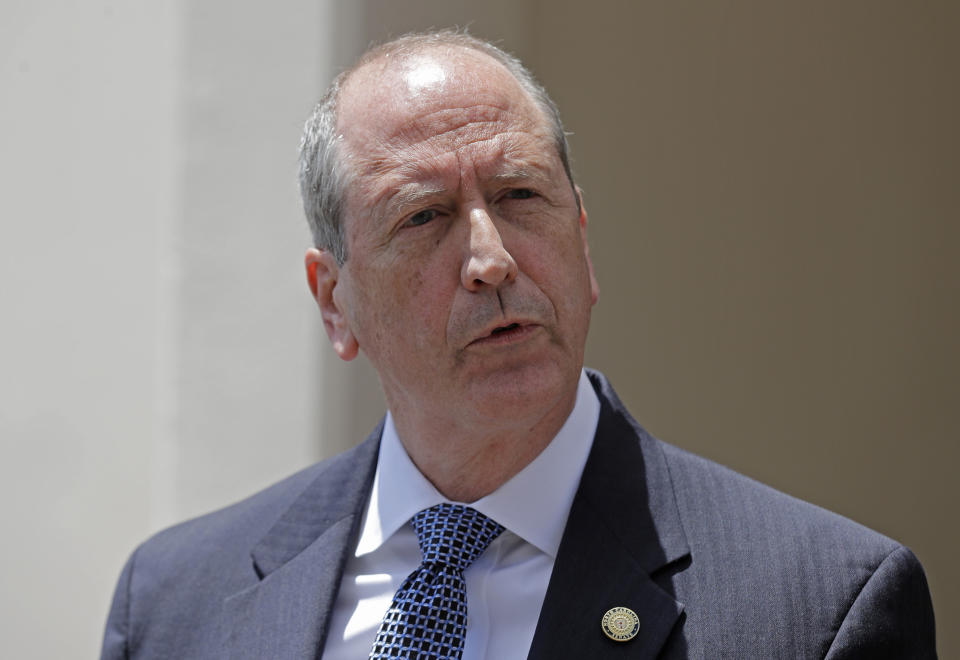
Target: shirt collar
(534,504)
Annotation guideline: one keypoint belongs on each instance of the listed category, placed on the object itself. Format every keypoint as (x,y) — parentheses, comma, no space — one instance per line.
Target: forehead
(406,109)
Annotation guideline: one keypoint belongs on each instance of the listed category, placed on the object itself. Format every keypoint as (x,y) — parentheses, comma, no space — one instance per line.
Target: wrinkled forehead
(431,94)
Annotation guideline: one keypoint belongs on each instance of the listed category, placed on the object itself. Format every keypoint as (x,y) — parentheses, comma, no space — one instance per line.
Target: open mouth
(506,334)
(505,328)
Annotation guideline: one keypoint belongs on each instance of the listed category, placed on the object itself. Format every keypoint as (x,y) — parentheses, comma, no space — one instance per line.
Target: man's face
(467,282)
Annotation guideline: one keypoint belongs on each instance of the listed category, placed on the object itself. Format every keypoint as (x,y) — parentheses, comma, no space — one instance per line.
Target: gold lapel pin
(621,624)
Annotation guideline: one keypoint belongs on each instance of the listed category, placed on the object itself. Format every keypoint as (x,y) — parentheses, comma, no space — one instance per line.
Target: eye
(421,218)
(520,193)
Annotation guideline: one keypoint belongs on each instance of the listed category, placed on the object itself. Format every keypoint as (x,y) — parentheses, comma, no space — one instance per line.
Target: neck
(468,461)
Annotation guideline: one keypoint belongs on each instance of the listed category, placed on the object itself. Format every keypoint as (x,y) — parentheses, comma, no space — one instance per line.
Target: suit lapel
(299,562)
(623,527)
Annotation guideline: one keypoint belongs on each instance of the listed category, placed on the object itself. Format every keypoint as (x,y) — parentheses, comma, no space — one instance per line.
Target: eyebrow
(415,194)
(411,195)
(521,174)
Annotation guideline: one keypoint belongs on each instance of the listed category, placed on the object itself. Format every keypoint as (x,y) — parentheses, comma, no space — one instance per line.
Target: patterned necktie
(427,619)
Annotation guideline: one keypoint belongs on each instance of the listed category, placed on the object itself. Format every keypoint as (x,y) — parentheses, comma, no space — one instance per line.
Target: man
(451,249)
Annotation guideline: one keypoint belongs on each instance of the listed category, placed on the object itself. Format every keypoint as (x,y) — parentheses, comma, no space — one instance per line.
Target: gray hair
(324,179)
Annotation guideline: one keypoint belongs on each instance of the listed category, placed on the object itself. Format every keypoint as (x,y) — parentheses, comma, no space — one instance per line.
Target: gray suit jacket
(715,565)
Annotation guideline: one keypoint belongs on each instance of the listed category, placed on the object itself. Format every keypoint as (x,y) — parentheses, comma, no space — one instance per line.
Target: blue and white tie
(427,619)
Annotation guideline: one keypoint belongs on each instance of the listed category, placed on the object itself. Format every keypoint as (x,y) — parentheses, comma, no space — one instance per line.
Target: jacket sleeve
(116,634)
(892,616)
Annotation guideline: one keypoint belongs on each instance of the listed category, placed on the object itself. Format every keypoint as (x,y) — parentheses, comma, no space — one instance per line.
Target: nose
(487,261)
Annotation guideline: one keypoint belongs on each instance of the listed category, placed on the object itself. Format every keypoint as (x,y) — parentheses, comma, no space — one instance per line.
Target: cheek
(403,307)
(558,266)
(554,258)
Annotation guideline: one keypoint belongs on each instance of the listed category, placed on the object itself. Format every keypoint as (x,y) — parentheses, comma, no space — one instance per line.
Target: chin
(526,391)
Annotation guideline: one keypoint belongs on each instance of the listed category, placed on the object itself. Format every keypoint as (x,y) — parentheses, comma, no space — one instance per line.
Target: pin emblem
(621,624)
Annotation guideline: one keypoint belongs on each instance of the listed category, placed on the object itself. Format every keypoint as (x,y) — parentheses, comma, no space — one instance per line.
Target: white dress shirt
(506,585)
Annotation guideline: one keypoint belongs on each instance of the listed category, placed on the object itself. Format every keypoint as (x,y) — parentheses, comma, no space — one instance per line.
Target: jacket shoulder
(768,570)
(240,524)
(708,493)
(177,578)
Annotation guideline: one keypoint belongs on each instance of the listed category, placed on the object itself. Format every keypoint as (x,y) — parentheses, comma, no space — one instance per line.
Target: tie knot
(454,534)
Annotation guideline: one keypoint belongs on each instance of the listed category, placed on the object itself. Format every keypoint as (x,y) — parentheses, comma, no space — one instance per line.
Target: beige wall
(774,197)
(158,355)
(776,207)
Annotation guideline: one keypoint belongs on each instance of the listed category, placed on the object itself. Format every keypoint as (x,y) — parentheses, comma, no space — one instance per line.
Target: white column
(160,353)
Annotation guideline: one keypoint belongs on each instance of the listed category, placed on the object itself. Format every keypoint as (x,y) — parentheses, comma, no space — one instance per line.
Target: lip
(505,332)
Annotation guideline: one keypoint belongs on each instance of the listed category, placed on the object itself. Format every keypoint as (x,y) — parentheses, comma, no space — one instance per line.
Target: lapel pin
(621,624)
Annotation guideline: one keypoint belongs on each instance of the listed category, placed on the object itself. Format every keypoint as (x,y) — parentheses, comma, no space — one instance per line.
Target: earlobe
(324,277)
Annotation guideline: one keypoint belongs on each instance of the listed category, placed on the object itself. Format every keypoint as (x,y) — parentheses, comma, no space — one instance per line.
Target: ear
(594,287)
(323,276)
